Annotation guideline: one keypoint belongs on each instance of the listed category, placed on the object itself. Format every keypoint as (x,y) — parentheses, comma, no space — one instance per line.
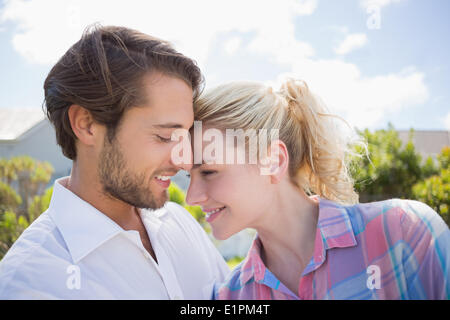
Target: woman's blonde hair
(318,151)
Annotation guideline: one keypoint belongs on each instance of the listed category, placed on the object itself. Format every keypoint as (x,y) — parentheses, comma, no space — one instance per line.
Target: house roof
(427,142)
(14,122)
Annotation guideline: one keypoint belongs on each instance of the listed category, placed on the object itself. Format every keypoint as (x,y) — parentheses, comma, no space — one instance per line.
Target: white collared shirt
(73,251)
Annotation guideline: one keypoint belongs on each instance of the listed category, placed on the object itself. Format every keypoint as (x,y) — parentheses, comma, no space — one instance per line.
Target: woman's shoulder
(416,213)
(407,214)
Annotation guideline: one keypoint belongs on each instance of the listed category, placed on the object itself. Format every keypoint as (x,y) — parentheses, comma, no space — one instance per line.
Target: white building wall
(38,143)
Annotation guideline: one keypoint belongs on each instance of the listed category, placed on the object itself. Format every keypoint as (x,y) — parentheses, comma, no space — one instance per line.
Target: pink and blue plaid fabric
(405,240)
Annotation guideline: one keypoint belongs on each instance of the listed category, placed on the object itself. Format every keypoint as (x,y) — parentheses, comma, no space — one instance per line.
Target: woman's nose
(196,194)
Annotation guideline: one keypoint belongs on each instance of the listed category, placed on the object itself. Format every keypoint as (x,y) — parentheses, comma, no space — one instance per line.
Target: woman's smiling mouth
(211,214)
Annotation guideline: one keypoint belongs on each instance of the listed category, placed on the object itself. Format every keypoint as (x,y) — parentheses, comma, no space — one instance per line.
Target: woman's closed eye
(162,139)
(207,172)
(204,173)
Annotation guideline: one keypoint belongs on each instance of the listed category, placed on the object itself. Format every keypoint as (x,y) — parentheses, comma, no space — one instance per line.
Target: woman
(325,246)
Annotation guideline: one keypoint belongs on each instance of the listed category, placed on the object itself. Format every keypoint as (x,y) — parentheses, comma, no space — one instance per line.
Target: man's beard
(123,184)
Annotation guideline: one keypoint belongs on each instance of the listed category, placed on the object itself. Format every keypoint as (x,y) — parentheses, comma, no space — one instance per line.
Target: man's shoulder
(35,236)
(40,242)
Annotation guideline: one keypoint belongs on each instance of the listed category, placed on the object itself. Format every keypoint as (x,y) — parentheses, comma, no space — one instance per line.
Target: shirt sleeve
(22,277)
(18,292)
(426,259)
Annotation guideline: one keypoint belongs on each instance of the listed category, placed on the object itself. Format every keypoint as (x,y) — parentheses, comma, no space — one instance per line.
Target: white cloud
(232,45)
(351,42)
(363,101)
(378,3)
(47,28)
(339,29)
(447,121)
(305,7)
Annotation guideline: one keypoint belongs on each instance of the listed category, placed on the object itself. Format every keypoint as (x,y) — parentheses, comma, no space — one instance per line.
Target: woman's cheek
(214,188)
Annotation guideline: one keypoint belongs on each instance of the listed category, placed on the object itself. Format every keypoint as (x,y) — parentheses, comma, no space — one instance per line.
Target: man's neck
(85,183)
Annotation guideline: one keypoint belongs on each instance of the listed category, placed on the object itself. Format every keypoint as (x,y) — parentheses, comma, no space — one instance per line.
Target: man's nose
(185,166)
(196,195)
(184,159)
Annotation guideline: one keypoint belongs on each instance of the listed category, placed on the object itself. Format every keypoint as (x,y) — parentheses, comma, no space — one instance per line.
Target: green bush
(393,168)
(233,262)
(40,204)
(396,170)
(435,190)
(18,208)
(9,199)
(11,226)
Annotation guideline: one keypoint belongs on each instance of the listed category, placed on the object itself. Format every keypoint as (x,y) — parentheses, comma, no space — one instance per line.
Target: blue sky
(398,73)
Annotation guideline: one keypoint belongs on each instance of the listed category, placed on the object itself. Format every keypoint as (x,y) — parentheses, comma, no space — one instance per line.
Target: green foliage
(435,190)
(396,170)
(444,158)
(233,262)
(176,194)
(22,182)
(11,227)
(40,204)
(429,168)
(32,176)
(392,169)
(9,199)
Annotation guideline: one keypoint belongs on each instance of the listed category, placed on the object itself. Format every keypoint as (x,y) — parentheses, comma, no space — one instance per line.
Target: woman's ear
(277,164)
(83,125)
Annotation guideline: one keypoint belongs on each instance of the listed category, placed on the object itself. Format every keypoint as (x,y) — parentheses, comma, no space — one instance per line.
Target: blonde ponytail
(318,151)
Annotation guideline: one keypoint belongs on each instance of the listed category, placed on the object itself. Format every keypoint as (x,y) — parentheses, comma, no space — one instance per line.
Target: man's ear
(279,161)
(83,124)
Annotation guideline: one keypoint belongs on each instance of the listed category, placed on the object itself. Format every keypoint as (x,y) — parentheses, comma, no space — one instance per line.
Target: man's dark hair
(103,73)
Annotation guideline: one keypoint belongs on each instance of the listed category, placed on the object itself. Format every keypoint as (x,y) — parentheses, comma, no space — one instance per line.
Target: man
(115,98)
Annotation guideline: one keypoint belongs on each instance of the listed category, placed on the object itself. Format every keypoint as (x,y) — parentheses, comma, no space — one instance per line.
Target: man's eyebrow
(169,125)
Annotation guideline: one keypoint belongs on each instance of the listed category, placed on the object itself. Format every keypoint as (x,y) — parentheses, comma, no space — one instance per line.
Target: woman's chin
(223,234)
(220,235)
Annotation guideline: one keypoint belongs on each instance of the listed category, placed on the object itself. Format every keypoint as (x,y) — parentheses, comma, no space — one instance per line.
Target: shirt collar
(334,230)
(83,227)
(253,266)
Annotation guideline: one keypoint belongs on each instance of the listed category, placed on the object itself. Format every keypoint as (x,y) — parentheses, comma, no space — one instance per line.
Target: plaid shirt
(402,242)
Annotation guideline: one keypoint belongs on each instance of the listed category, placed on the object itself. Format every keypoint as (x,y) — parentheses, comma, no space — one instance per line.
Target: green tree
(32,176)
(40,204)
(435,190)
(392,167)
(22,182)
(11,226)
